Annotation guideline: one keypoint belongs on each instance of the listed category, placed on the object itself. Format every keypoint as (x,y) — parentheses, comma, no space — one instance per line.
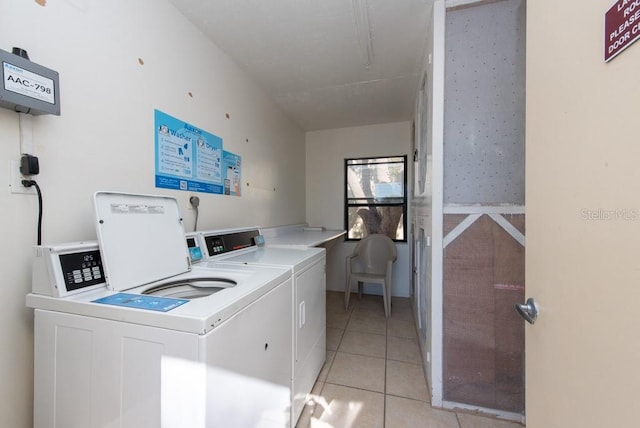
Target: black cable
(29,183)
(195,226)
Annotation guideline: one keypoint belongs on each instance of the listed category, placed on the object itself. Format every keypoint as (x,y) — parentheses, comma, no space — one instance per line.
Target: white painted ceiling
(310,58)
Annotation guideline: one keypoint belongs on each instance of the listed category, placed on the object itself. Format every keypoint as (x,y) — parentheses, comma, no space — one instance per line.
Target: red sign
(621,27)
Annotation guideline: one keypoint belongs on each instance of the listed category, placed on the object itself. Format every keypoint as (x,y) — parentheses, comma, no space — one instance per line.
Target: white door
(583,219)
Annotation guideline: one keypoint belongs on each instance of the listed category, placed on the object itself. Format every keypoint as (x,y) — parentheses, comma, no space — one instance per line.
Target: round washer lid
(141,238)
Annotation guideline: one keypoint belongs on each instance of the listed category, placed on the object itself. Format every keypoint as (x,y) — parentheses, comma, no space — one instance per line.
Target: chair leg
(386,300)
(347,293)
(384,303)
(387,307)
(387,286)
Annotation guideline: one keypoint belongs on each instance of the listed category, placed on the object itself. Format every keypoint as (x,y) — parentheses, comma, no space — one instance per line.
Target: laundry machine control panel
(62,270)
(82,269)
(232,241)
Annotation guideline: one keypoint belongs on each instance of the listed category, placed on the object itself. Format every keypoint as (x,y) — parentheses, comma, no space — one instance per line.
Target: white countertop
(305,238)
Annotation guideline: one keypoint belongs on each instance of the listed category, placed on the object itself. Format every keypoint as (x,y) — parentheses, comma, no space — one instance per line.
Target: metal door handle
(528,311)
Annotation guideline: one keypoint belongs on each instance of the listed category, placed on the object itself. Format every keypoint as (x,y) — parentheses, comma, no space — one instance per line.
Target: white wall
(326,152)
(104,140)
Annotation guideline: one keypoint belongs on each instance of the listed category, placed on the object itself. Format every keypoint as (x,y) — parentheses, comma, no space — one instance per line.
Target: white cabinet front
(249,364)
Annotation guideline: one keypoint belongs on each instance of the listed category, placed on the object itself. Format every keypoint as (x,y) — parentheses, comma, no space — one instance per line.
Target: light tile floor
(373,375)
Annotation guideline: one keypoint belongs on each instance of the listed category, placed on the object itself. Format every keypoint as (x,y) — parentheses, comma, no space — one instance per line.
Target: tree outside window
(375,197)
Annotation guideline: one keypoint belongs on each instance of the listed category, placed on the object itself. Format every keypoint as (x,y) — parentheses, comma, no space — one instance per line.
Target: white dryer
(123,337)
(241,247)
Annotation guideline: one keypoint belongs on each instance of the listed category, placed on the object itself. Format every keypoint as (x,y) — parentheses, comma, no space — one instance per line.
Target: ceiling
(311,56)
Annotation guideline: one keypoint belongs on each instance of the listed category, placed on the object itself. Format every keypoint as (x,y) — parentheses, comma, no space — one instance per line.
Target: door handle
(528,311)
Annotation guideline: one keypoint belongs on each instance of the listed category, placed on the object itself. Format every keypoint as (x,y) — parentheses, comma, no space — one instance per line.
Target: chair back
(374,251)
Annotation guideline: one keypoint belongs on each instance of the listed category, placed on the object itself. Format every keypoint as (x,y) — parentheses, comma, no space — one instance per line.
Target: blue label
(195,253)
(138,301)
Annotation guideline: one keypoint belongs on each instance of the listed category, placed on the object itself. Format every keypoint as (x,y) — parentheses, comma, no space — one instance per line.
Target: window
(375,197)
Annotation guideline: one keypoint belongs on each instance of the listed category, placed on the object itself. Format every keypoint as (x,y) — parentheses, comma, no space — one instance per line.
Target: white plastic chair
(371,262)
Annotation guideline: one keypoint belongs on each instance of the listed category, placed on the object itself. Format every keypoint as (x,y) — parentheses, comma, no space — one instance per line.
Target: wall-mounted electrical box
(28,87)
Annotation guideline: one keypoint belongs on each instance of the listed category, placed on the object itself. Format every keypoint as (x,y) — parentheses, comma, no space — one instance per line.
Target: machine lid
(141,238)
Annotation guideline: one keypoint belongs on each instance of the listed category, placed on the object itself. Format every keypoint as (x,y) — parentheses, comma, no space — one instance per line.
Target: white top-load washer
(243,247)
(128,333)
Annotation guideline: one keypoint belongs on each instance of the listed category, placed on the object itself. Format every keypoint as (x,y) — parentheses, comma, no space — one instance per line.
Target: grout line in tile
(386,350)
(353,387)
(428,402)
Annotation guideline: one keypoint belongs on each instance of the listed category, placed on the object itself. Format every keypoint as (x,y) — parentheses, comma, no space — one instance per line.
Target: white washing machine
(211,352)
(241,247)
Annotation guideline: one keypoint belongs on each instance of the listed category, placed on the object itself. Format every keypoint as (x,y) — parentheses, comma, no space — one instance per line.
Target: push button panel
(81,269)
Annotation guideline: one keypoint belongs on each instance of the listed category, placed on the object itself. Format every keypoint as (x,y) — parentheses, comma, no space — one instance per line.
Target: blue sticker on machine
(137,301)
(195,253)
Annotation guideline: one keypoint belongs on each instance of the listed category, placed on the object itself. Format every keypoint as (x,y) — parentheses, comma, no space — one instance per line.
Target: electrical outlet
(16,180)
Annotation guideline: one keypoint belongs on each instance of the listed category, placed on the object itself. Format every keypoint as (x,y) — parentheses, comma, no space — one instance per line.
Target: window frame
(370,202)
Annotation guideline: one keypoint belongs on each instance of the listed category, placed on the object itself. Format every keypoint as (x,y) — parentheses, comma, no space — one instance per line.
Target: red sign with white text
(621,27)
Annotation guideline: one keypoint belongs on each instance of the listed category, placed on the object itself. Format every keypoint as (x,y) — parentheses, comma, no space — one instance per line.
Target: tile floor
(373,376)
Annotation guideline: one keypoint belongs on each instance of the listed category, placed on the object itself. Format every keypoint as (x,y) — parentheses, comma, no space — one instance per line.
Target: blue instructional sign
(231,167)
(187,158)
(138,301)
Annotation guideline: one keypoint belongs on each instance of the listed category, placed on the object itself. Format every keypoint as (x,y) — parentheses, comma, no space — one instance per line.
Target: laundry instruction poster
(231,168)
(187,157)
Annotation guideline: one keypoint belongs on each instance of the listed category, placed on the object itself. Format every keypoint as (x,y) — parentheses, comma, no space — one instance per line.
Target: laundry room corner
(326,153)
(117,62)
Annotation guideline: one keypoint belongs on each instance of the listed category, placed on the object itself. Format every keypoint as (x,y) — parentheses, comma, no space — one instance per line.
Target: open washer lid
(141,238)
